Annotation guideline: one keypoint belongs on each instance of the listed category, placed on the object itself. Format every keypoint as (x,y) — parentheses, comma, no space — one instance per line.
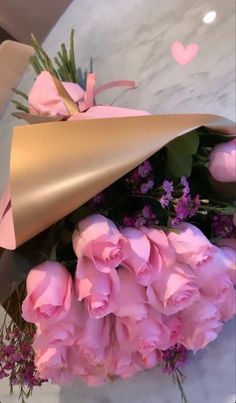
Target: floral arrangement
(142,273)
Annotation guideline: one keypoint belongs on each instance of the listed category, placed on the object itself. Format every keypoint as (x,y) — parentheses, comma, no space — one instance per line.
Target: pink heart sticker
(184,55)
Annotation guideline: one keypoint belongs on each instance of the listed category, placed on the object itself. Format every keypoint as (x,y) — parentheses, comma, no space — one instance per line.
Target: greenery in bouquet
(134,268)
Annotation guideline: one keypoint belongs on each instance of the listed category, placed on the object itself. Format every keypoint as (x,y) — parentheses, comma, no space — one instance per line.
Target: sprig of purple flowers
(17,358)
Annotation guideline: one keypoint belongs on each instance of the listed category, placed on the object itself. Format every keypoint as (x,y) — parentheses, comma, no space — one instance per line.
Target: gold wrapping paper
(56,167)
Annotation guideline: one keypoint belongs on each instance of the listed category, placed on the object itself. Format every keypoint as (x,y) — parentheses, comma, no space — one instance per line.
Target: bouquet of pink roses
(123,226)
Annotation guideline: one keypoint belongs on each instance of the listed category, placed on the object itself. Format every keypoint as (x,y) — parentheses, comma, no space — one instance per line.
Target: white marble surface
(131,39)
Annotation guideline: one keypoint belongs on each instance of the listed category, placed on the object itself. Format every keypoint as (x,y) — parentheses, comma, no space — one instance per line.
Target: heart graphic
(184,55)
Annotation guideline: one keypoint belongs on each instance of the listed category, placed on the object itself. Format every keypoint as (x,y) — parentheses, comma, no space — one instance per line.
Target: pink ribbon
(91,91)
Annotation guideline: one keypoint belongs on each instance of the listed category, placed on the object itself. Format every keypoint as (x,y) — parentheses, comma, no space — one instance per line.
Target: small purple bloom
(185,184)
(195,205)
(140,222)
(165,201)
(144,169)
(145,187)
(129,221)
(175,357)
(147,212)
(222,225)
(99,198)
(167,186)
(135,176)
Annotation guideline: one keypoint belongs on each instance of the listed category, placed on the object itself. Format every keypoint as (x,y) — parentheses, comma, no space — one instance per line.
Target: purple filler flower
(167,196)
(175,357)
(144,169)
(222,225)
(185,184)
(147,212)
(145,187)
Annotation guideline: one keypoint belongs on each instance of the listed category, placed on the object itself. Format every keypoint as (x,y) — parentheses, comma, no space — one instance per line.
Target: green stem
(20,93)
(20,106)
(72,57)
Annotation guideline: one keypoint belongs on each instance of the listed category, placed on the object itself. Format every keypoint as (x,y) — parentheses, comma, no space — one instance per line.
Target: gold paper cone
(57,167)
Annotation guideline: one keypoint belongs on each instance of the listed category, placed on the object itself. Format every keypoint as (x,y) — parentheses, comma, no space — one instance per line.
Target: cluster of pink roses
(136,292)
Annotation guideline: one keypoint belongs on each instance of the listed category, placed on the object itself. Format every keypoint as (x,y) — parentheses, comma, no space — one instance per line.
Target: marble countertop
(132,39)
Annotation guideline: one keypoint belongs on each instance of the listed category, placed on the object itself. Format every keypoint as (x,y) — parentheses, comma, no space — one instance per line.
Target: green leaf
(179,155)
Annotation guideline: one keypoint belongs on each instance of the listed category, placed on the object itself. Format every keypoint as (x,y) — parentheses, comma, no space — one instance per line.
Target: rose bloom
(229,256)
(94,339)
(91,373)
(227,306)
(45,100)
(52,364)
(49,293)
(214,279)
(201,324)
(146,335)
(173,290)
(132,299)
(98,239)
(149,252)
(222,162)
(60,333)
(99,290)
(191,245)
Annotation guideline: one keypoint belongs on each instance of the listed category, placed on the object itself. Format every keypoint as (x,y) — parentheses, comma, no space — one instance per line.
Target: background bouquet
(134,264)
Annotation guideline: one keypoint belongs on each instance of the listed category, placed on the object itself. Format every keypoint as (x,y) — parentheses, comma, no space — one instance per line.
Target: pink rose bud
(173,290)
(60,333)
(94,339)
(149,334)
(149,252)
(132,300)
(222,162)
(52,364)
(98,239)
(45,100)
(213,280)
(227,306)
(191,245)
(201,324)
(229,254)
(100,290)
(49,293)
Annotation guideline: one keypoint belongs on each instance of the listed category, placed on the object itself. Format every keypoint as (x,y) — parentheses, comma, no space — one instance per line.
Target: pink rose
(191,245)
(149,360)
(147,335)
(173,290)
(60,333)
(103,111)
(201,325)
(132,300)
(45,100)
(98,239)
(52,364)
(94,339)
(49,293)
(227,306)
(175,326)
(213,279)
(125,365)
(222,162)
(149,252)
(90,372)
(229,257)
(100,290)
